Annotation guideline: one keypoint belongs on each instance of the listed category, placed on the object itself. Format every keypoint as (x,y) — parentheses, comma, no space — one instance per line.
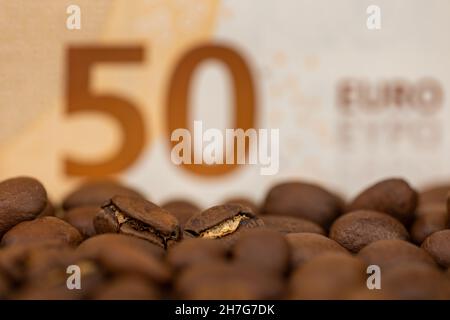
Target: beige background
(298,51)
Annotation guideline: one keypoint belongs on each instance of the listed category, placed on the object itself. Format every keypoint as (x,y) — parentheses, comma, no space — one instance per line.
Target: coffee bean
(438,246)
(329,276)
(183,210)
(138,217)
(134,249)
(357,229)
(121,254)
(216,280)
(96,193)
(303,200)
(392,196)
(305,246)
(94,245)
(415,282)
(42,260)
(45,229)
(225,222)
(82,218)
(195,250)
(21,199)
(243,202)
(12,261)
(389,253)
(430,207)
(428,223)
(53,284)
(287,224)
(264,248)
(364,293)
(49,210)
(4,286)
(434,194)
(127,287)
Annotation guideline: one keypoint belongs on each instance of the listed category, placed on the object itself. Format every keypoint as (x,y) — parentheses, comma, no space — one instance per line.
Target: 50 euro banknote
(351,104)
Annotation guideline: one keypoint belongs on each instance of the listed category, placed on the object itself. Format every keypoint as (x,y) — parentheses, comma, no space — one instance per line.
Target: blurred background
(353,105)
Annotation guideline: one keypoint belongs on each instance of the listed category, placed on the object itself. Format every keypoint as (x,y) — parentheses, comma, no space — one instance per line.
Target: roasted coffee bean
(53,284)
(138,217)
(82,218)
(41,230)
(93,246)
(364,293)
(127,287)
(429,222)
(430,207)
(329,276)
(264,248)
(392,196)
(4,286)
(415,281)
(21,199)
(183,210)
(305,246)
(42,259)
(53,292)
(287,224)
(96,193)
(195,250)
(225,222)
(434,194)
(12,262)
(122,254)
(438,246)
(244,202)
(389,253)
(303,200)
(357,229)
(49,210)
(216,280)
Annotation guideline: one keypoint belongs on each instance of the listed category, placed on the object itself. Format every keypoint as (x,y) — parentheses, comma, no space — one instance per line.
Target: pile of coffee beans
(107,241)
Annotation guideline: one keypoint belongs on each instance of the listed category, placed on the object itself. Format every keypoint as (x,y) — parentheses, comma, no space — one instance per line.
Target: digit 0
(178,97)
(80,99)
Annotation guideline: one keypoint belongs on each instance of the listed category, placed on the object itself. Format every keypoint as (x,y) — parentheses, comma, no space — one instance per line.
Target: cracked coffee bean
(21,199)
(303,200)
(225,222)
(392,196)
(355,230)
(139,218)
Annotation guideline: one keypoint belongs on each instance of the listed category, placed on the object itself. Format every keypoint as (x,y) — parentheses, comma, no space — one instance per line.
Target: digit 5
(80,99)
